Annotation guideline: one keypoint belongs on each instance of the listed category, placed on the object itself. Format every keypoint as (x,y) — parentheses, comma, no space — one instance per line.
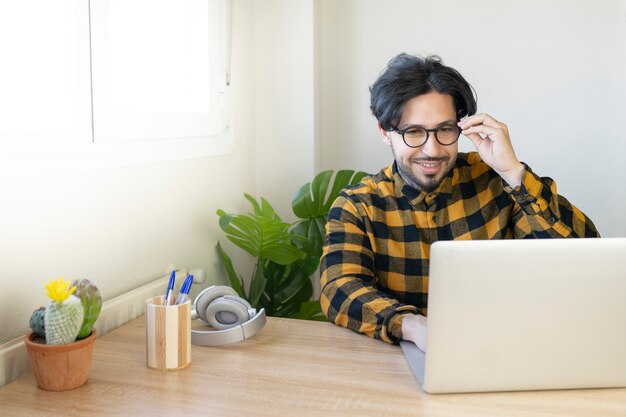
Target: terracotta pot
(60,367)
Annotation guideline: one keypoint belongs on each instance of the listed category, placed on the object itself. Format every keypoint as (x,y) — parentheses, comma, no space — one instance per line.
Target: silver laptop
(509,315)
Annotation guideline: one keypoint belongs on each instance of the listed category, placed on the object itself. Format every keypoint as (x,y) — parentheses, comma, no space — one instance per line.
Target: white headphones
(233,318)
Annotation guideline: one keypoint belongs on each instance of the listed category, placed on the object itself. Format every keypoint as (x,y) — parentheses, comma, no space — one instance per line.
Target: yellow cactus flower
(59,290)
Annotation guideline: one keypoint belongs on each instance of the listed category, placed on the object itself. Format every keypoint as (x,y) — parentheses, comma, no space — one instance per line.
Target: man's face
(425,167)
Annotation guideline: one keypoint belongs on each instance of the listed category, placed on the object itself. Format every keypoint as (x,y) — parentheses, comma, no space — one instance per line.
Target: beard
(424,182)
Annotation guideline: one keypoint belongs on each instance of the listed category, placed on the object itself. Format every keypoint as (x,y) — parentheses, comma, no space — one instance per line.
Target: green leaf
(224,220)
(275,274)
(255,206)
(311,204)
(283,292)
(312,200)
(236,281)
(319,186)
(290,306)
(290,286)
(257,286)
(314,230)
(264,237)
(263,210)
(309,199)
(284,255)
(267,210)
(343,178)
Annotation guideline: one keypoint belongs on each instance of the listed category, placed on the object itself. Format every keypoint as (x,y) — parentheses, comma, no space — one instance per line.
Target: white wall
(284,98)
(554,71)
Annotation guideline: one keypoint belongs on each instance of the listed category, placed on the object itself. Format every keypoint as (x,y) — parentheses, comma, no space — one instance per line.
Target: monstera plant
(286,255)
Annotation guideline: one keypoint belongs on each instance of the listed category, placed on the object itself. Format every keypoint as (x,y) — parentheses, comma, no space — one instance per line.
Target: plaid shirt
(374,266)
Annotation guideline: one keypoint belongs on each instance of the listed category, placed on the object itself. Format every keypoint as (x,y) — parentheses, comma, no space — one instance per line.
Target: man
(374,269)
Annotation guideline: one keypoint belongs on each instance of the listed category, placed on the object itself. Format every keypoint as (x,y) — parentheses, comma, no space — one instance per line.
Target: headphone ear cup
(209,295)
(227,311)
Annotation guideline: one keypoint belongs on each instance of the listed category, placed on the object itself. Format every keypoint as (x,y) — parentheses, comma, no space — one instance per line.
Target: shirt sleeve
(349,295)
(541,212)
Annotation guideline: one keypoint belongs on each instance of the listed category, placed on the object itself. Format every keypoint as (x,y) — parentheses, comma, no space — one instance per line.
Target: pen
(170,288)
(184,289)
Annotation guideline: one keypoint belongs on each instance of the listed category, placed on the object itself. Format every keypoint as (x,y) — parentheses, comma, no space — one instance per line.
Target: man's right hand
(414,330)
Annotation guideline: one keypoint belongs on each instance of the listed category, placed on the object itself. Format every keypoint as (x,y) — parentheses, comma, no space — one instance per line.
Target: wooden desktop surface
(290,368)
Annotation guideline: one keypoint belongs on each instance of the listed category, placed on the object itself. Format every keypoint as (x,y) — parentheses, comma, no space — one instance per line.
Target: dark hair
(408,76)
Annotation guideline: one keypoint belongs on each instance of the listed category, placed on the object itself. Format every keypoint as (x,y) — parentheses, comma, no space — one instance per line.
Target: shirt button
(434,218)
(551,220)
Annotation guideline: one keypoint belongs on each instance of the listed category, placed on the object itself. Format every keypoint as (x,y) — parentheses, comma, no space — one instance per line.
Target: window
(111,82)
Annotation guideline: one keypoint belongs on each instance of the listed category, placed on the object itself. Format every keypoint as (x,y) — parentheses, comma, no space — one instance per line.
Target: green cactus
(63,320)
(37,322)
(92,304)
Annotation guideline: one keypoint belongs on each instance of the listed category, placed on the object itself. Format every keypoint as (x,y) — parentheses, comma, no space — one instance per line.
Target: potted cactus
(61,343)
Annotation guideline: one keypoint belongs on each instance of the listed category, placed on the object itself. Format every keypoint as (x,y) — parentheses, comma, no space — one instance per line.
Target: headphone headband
(234,334)
(211,304)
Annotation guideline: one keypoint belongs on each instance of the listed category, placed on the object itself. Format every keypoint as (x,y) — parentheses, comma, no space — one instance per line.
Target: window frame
(38,155)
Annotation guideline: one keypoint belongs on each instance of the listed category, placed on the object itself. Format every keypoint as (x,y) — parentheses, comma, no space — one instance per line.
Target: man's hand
(492,141)
(414,330)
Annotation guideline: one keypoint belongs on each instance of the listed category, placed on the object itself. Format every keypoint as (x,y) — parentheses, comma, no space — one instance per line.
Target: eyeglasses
(416,136)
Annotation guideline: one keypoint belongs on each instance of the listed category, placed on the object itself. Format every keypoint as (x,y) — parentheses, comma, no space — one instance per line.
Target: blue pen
(184,289)
(170,288)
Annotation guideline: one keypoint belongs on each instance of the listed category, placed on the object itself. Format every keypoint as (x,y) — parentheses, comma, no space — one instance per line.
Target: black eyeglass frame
(435,130)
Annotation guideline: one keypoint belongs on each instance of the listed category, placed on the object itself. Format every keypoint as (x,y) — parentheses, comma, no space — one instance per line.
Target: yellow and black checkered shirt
(374,266)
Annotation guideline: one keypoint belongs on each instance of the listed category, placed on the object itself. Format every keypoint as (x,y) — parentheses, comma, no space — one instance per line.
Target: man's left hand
(492,141)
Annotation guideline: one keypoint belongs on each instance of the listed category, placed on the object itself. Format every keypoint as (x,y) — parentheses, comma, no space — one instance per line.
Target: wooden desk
(290,368)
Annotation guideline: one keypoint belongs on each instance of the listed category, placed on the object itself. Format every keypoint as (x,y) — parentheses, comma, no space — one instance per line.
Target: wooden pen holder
(168,334)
